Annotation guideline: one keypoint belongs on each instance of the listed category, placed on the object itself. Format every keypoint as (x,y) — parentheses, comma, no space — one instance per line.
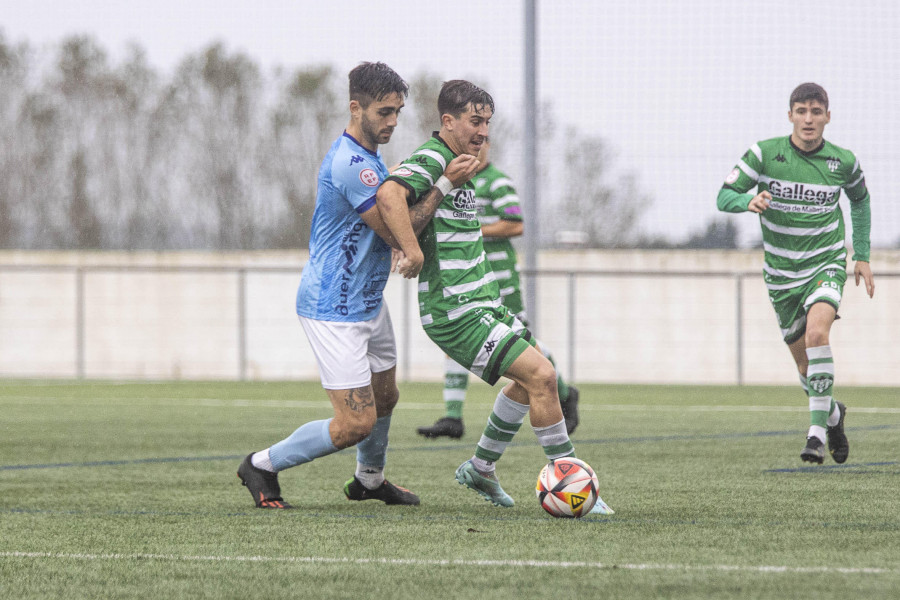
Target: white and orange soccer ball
(568,488)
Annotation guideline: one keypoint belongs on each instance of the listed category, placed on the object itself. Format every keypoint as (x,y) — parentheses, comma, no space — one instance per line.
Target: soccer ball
(567,487)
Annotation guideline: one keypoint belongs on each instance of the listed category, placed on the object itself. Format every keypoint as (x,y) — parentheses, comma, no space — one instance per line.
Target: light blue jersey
(348,263)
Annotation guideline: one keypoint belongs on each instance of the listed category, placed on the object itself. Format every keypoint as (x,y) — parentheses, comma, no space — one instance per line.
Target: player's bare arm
(863,270)
(759,202)
(391,203)
(503,229)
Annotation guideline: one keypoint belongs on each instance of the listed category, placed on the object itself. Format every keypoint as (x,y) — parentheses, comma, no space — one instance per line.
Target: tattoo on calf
(358,399)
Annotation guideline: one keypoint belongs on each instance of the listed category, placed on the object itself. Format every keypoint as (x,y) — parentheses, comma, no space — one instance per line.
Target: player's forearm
(732,201)
(503,229)
(422,211)
(861,217)
(395,215)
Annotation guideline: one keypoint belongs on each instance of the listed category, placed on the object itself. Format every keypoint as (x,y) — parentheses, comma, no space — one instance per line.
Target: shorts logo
(733,176)
(368,177)
(489,346)
(830,272)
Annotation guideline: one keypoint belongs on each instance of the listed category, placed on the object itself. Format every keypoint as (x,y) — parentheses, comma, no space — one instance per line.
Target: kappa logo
(489,346)
(356,158)
(833,163)
(780,158)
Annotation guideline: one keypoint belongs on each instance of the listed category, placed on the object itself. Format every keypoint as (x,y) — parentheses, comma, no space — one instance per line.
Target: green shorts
(486,341)
(791,305)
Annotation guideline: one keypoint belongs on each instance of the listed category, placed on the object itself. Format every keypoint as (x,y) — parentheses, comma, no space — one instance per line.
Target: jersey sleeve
(733,196)
(855,188)
(860,212)
(505,200)
(357,182)
(419,172)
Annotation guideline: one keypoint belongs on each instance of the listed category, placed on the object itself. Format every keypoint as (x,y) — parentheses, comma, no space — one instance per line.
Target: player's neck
(357,134)
(807,147)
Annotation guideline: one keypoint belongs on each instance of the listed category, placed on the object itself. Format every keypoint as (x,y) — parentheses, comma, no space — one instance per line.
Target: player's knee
(386,401)
(815,338)
(543,378)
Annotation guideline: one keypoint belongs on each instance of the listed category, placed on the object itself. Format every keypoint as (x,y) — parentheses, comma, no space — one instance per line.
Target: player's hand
(411,264)
(862,269)
(760,202)
(461,169)
(396,255)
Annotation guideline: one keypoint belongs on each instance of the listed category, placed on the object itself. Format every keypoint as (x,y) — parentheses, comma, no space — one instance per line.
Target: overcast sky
(679,88)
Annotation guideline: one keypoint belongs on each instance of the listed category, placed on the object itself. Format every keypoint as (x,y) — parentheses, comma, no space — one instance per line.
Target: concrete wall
(142,319)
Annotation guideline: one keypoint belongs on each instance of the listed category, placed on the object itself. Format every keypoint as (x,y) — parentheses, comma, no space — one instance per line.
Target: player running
(799,180)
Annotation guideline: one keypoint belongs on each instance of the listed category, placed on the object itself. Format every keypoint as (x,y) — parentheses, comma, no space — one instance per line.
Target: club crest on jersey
(464,200)
(368,177)
(833,163)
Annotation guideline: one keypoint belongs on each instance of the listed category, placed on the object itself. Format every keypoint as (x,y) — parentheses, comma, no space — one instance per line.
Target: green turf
(128,490)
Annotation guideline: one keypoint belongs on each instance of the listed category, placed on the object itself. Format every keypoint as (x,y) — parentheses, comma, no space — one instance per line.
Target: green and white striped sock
(555,440)
(820,379)
(456,380)
(505,420)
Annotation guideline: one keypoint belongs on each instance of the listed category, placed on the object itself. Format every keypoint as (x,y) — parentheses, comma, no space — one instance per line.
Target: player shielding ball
(460,305)
(799,179)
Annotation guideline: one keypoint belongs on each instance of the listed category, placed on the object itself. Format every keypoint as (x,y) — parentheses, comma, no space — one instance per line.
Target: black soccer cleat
(263,485)
(838,445)
(445,426)
(814,451)
(387,492)
(570,410)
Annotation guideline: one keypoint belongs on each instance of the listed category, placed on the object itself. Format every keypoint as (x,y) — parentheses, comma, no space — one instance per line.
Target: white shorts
(348,353)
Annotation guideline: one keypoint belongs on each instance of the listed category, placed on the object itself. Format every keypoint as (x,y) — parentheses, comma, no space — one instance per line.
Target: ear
(827,117)
(447,121)
(355,108)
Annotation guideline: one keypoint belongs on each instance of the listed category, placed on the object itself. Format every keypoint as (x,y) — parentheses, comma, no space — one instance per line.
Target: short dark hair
(456,95)
(809,91)
(373,81)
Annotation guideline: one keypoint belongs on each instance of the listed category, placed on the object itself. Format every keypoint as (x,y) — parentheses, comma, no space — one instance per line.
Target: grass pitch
(121,490)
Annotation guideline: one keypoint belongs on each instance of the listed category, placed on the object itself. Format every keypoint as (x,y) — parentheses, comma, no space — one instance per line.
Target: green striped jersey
(455,278)
(803,228)
(496,200)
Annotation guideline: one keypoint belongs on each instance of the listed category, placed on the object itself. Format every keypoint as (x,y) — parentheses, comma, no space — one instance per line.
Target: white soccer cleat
(601,508)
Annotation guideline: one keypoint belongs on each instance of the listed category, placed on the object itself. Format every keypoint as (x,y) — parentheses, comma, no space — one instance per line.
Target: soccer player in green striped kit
(500,215)
(799,180)
(459,299)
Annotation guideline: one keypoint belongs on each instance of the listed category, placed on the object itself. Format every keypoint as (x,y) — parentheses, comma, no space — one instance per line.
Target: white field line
(402,405)
(452,563)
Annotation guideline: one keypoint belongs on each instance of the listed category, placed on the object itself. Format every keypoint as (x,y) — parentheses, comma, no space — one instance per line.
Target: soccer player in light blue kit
(339,303)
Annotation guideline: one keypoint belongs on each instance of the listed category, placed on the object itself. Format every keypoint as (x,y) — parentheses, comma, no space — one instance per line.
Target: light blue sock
(309,442)
(372,451)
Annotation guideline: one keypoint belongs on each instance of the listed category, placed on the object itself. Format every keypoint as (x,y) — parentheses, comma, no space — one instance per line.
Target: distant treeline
(220,155)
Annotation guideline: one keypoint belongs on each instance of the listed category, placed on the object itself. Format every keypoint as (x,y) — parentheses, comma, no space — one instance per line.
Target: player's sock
(834,416)
(503,423)
(456,380)
(562,387)
(310,441)
(555,440)
(261,460)
(371,454)
(820,379)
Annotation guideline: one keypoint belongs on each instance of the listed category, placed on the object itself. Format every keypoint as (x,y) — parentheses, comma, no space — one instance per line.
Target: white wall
(144,322)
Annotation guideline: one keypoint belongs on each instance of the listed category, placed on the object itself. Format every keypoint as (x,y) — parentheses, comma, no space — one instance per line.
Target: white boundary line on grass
(324,404)
(456,563)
